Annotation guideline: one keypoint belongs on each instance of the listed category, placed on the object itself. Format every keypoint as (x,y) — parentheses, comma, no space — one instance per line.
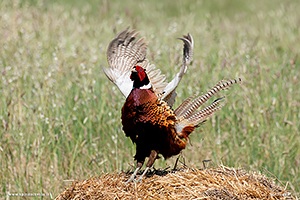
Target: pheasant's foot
(133,175)
(142,176)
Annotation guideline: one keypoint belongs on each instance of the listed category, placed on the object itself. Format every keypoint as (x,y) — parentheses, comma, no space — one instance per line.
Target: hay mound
(212,183)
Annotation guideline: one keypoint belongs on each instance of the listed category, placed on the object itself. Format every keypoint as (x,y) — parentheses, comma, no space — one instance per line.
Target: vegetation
(60,115)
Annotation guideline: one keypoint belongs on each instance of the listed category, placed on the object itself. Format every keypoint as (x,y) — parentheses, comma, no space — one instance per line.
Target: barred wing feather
(124,51)
(169,91)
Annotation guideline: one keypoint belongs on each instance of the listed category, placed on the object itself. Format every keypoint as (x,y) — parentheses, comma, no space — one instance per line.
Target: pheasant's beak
(133,70)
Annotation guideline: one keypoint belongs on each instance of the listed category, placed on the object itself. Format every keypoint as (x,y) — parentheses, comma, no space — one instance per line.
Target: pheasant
(147,115)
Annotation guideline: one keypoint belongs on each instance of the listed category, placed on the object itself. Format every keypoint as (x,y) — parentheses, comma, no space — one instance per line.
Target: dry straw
(213,183)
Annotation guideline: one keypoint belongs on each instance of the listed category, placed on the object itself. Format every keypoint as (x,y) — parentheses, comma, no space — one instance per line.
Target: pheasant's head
(140,78)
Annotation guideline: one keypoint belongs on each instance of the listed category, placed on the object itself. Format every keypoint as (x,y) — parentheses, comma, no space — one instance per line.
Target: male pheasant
(147,115)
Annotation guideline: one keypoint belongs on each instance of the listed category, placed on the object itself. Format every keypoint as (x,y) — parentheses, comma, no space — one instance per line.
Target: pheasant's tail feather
(186,111)
(205,112)
(180,109)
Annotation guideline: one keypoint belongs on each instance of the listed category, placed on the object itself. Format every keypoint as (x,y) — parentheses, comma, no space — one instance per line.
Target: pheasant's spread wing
(123,52)
(169,91)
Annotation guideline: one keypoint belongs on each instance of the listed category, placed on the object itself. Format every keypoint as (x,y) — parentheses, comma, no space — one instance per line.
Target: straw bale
(213,183)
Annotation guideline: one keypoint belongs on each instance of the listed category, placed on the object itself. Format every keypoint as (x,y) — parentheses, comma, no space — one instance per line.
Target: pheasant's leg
(152,158)
(141,177)
(138,167)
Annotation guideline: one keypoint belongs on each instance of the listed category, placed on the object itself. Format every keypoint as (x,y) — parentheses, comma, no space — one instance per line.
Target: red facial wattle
(142,75)
(141,72)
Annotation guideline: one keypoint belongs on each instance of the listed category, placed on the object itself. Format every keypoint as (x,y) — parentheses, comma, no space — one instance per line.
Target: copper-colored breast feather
(150,121)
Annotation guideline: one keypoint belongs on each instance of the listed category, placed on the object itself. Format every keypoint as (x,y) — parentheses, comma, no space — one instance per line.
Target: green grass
(60,115)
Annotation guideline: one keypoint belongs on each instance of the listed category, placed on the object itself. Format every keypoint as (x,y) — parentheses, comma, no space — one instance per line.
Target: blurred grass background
(60,115)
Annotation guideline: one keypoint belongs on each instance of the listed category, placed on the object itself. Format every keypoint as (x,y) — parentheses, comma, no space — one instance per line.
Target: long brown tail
(186,112)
